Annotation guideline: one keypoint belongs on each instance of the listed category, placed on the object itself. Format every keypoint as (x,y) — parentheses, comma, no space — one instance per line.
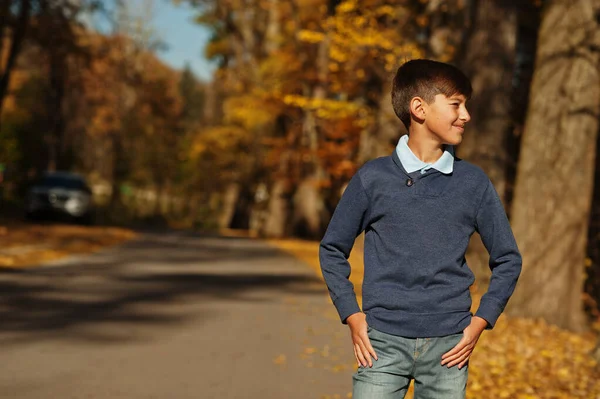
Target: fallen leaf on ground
(27,245)
(281,359)
(519,358)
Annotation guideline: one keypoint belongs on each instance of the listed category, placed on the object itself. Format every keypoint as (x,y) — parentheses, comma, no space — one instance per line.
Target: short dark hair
(426,78)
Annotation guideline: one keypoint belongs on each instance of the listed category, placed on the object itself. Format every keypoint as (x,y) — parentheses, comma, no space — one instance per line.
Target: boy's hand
(461,353)
(362,345)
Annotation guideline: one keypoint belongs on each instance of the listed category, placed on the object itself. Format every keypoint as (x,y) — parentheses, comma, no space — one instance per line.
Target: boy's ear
(417,107)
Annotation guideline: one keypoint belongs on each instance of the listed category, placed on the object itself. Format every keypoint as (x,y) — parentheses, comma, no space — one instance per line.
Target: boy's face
(445,118)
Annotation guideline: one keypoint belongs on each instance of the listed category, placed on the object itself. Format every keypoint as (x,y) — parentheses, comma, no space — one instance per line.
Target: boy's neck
(425,147)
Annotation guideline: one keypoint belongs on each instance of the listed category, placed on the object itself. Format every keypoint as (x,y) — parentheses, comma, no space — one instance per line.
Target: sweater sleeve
(347,222)
(505,259)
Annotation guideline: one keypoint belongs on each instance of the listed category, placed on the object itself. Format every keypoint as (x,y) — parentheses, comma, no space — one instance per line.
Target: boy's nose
(464,115)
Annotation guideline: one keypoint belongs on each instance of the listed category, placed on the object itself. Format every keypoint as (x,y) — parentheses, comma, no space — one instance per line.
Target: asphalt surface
(172,315)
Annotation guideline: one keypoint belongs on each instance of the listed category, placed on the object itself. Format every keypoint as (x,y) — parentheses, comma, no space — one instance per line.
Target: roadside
(24,245)
(518,359)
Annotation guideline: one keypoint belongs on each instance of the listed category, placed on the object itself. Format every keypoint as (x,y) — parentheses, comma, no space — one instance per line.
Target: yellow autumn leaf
(339,367)
(310,36)
(280,360)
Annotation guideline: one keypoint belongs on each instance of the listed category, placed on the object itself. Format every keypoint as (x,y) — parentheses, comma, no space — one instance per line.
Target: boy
(418,209)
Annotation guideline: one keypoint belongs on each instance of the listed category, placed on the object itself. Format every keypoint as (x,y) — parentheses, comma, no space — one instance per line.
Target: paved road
(172,316)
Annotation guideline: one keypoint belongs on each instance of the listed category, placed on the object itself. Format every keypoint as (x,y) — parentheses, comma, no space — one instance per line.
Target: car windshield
(62,181)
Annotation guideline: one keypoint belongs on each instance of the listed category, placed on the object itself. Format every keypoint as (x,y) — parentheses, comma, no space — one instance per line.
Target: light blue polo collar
(411,163)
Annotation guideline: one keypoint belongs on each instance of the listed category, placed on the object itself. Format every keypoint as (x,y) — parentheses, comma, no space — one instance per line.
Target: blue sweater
(417,228)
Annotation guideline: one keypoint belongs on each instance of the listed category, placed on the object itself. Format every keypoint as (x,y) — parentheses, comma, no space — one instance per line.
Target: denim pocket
(444,345)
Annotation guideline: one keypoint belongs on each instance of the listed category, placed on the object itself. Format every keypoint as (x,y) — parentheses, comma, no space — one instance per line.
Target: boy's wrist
(354,317)
(479,323)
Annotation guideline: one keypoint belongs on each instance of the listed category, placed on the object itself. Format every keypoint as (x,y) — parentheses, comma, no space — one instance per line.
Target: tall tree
(59,17)
(305,82)
(553,191)
(192,96)
(488,58)
(14,21)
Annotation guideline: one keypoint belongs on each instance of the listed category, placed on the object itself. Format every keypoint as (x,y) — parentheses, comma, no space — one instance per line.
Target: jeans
(402,359)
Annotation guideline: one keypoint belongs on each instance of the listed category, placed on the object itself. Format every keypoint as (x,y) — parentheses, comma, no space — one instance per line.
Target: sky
(170,24)
(184,39)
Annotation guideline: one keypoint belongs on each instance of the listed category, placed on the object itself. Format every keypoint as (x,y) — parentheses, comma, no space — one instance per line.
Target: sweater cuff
(489,310)
(346,305)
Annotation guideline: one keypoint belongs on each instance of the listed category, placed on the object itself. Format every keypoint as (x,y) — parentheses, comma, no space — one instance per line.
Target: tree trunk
(18,31)
(242,209)
(528,26)
(308,203)
(445,28)
(309,209)
(307,219)
(551,206)
(592,284)
(273,31)
(119,170)
(381,138)
(275,224)
(489,61)
(58,75)
(230,198)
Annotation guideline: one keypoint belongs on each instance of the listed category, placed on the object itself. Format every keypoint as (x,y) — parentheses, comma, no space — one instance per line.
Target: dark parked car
(60,194)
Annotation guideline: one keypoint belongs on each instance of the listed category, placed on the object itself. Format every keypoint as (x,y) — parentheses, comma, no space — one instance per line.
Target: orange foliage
(122,79)
(268,79)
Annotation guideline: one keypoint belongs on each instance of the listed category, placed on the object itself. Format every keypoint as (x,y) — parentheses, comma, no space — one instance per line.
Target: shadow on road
(159,280)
